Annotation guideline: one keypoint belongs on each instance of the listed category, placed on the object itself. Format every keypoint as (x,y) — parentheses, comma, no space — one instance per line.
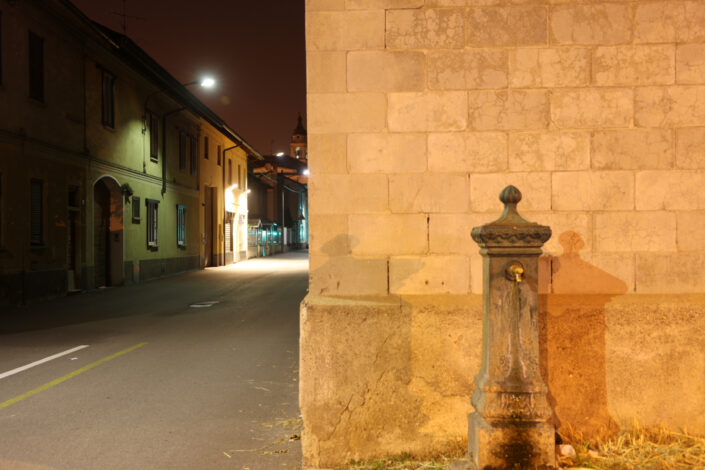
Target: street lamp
(205,82)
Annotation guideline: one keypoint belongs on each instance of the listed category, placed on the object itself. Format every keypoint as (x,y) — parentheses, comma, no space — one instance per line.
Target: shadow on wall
(572,330)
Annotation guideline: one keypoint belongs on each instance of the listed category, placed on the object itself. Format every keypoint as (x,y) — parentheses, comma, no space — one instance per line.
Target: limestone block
(549,151)
(592,273)
(386,4)
(593,190)
(346,112)
(690,64)
(344,30)
(328,235)
(448,361)
(378,378)
(655,361)
(673,190)
(635,231)
(691,231)
(387,153)
(506,26)
(633,149)
(424,29)
(468,69)
(428,275)
(390,234)
(552,67)
(325,5)
(690,148)
(670,273)
(572,231)
(485,189)
(669,106)
(428,112)
(348,194)
(428,192)
(327,153)
(634,65)
(504,110)
(347,275)
(467,152)
(476,274)
(602,23)
(386,71)
(595,107)
(669,21)
(325,71)
(450,233)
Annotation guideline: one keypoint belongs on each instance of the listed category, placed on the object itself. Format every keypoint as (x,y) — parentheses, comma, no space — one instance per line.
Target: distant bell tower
(299,142)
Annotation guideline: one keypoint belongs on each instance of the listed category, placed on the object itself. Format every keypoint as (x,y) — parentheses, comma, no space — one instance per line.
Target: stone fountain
(510,429)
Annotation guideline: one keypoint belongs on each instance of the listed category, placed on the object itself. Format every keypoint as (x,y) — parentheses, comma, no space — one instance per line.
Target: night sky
(254,48)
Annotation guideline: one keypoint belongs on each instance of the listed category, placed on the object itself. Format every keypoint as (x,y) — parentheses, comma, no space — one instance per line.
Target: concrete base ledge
(386,375)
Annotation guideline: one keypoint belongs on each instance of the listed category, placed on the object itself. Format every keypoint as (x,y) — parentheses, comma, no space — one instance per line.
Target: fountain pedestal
(510,429)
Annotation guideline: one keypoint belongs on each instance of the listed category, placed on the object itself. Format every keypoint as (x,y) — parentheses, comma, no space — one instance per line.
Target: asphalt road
(162,384)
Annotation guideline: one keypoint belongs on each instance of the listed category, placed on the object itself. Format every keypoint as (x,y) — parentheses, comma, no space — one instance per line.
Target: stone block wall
(421,111)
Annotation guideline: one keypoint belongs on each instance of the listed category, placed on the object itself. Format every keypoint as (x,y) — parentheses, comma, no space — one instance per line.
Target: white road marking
(41,361)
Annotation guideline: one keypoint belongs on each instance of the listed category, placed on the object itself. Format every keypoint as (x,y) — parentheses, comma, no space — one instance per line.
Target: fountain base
(510,444)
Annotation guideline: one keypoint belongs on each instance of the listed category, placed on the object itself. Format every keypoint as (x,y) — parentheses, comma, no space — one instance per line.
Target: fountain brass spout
(515,272)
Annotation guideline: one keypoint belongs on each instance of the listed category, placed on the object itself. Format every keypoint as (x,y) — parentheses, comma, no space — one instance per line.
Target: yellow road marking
(71,375)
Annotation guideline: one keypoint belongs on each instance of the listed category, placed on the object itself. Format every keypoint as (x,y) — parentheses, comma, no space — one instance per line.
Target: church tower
(299,139)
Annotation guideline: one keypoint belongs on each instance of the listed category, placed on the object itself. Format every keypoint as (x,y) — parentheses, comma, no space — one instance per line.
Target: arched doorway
(107,232)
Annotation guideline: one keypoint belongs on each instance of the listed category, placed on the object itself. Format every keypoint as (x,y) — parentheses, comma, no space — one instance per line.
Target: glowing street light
(306,172)
(205,82)
(280,154)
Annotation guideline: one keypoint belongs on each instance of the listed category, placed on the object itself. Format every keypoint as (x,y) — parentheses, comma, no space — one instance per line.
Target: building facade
(419,113)
(100,163)
(280,193)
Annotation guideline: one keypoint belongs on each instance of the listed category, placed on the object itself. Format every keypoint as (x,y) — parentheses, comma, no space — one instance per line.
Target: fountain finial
(510,195)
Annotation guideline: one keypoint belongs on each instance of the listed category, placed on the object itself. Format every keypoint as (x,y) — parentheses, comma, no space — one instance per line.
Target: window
(153,137)
(108,98)
(135,210)
(152,224)
(205,147)
(182,151)
(219,155)
(298,152)
(230,172)
(239,176)
(193,154)
(36,67)
(180,225)
(36,216)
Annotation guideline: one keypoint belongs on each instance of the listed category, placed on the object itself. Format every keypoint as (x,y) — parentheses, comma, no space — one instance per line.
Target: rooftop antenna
(124,16)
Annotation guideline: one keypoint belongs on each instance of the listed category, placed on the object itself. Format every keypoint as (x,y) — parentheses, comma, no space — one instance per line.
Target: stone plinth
(509,428)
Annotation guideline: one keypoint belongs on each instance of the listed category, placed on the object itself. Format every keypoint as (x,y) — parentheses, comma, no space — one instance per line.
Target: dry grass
(440,460)
(639,448)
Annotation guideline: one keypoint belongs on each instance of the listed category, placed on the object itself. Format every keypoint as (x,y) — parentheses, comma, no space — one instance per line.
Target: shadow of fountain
(572,331)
